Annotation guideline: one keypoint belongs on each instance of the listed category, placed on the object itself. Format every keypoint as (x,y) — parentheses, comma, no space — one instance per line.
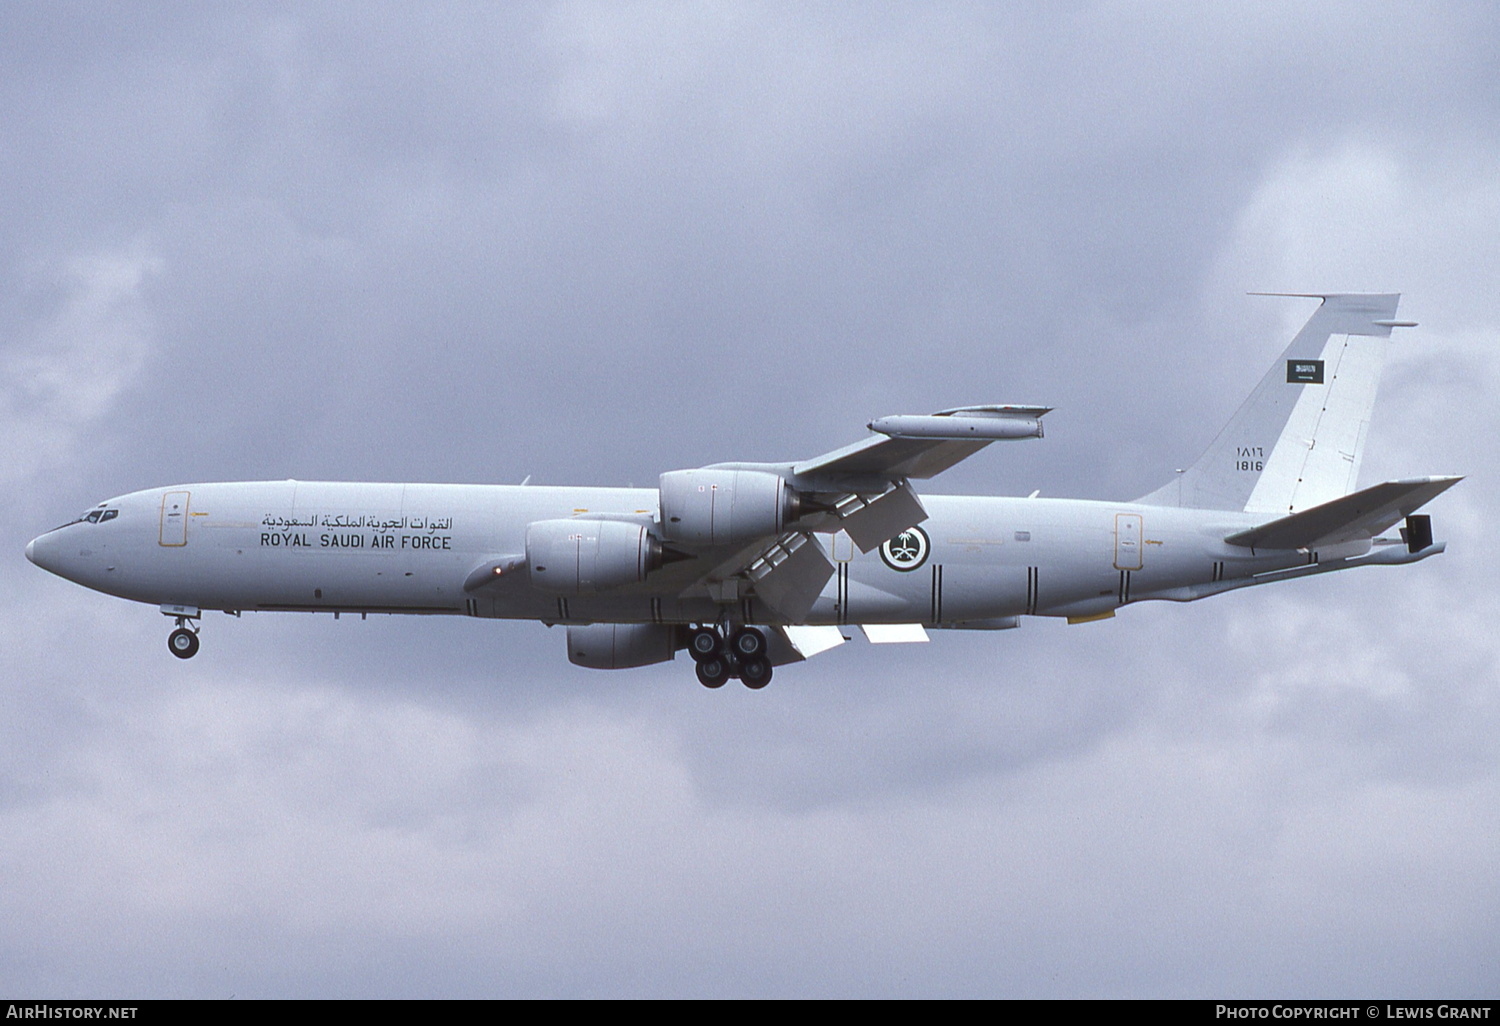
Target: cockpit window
(94,516)
(97,515)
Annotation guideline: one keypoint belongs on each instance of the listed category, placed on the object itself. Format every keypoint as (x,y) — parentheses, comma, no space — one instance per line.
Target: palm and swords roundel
(907,550)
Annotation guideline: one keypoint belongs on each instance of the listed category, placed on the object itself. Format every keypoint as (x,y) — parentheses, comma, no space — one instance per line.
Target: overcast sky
(593,242)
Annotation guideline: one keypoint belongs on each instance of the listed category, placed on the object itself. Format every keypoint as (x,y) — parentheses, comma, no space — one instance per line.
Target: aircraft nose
(43,552)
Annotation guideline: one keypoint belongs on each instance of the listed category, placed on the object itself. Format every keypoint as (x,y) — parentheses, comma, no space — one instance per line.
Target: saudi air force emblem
(906,551)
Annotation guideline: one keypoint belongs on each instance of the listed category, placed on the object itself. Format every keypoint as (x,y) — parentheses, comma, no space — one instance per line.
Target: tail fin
(1298,440)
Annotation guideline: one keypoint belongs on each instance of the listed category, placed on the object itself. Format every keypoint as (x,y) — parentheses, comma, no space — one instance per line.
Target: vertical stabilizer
(1298,440)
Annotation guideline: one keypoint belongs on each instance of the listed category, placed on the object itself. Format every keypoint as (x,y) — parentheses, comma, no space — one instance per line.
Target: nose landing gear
(743,656)
(183,642)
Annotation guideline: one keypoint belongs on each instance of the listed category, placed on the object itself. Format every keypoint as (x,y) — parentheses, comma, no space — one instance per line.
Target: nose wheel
(182,643)
(742,656)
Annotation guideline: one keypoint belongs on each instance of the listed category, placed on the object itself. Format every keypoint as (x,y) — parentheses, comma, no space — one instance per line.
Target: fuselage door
(1127,541)
(843,547)
(174,515)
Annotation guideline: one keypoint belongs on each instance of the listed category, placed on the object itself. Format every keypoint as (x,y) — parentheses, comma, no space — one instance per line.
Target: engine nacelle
(573,557)
(715,506)
(619,646)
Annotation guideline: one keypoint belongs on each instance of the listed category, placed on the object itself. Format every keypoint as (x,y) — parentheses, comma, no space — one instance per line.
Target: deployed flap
(789,576)
(871,524)
(1359,516)
(893,633)
(925,446)
(809,641)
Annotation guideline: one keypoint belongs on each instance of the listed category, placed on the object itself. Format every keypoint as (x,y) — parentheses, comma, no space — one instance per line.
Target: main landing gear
(742,655)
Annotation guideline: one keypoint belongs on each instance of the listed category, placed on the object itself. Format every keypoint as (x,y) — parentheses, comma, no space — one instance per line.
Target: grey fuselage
(415,548)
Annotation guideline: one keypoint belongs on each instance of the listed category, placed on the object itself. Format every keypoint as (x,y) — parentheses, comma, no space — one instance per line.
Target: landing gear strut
(742,656)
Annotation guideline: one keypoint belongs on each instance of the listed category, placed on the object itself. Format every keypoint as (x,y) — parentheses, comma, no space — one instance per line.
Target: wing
(923,447)
(863,489)
(867,483)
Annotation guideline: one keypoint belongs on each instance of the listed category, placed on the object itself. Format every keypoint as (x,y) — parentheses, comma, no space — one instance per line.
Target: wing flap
(809,641)
(789,575)
(870,524)
(894,633)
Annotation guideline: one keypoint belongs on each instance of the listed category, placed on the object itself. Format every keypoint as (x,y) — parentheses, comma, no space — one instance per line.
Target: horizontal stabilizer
(1358,516)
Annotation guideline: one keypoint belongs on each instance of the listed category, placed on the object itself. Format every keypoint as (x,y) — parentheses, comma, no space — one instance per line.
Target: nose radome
(42,551)
(48,552)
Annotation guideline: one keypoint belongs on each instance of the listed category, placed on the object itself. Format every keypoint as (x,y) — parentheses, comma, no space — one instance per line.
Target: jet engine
(619,646)
(718,506)
(572,557)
